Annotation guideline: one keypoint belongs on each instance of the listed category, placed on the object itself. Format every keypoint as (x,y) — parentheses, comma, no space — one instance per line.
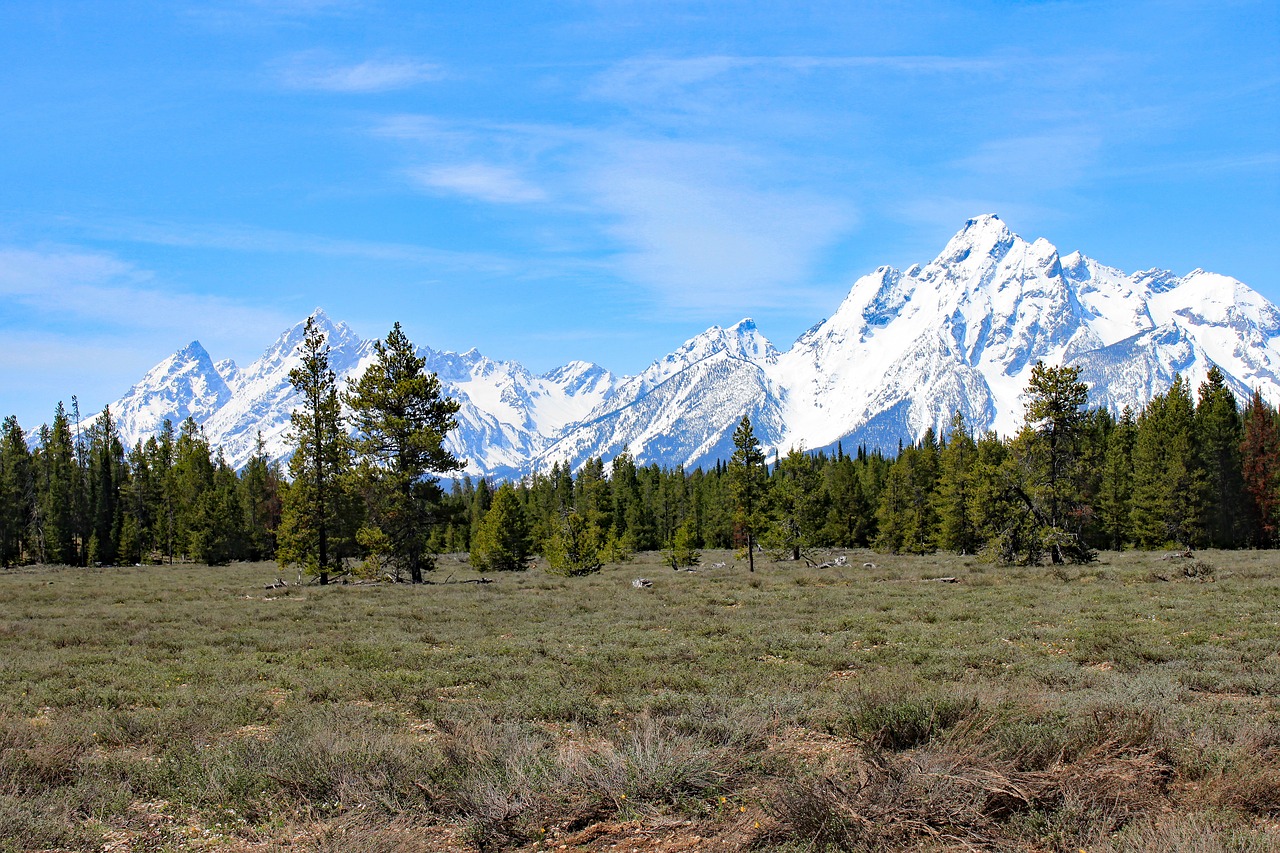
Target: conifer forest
(361,493)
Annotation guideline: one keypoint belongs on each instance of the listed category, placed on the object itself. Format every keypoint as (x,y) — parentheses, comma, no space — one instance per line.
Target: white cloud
(1040,162)
(479,181)
(696,229)
(72,286)
(87,323)
(315,71)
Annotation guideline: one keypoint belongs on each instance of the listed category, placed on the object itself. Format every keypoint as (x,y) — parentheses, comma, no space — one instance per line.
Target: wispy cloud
(480,181)
(695,228)
(88,323)
(241,238)
(1039,162)
(657,80)
(78,287)
(319,72)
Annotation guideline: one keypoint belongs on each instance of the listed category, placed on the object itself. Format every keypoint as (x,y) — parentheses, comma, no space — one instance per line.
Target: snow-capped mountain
(907,349)
(684,408)
(186,384)
(904,351)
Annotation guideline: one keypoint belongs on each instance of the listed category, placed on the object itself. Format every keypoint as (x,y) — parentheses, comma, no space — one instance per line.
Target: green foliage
(1168,483)
(905,518)
(1050,477)
(316,522)
(575,547)
(1260,464)
(17,492)
(1218,431)
(1070,481)
(957,491)
(682,553)
(746,484)
(401,420)
(502,542)
(798,506)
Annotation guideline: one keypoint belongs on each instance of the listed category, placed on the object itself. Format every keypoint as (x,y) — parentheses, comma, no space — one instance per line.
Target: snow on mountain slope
(506,414)
(186,384)
(963,332)
(264,397)
(683,409)
(904,351)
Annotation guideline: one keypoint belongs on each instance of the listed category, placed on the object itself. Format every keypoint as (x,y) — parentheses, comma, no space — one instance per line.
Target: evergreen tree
(1260,468)
(627,515)
(312,507)
(893,516)
(107,476)
(797,505)
(16,492)
(956,490)
(1218,431)
(192,477)
(1116,489)
(217,531)
(162,456)
(850,518)
(260,496)
(58,484)
(575,546)
(682,551)
(1167,481)
(502,541)
(401,419)
(746,478)
(140,501)
(1049,457)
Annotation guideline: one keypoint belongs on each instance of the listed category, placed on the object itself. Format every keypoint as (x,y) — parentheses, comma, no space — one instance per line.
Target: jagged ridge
(902,353)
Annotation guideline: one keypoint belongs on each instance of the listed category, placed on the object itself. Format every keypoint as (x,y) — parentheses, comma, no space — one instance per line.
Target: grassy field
(1133,704)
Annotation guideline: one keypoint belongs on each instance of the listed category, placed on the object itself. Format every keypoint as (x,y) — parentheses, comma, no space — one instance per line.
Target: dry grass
(1122,706)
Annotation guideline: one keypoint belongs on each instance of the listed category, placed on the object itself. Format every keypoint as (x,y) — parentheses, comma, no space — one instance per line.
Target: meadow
(1132,704)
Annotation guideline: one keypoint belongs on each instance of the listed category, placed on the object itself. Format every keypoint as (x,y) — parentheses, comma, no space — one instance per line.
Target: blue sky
(596,180)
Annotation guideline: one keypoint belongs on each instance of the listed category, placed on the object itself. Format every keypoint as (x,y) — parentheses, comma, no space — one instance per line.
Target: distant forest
(1190,470)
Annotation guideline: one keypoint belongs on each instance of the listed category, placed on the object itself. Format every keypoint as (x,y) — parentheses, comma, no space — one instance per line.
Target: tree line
(362,492)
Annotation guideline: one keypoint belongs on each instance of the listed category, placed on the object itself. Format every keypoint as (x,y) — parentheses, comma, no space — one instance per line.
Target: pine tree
(850,518)
(956,492)
(746,478)
(260,496)
(574,547)
(1116,488)
(312,511)
(402,419)
(162,456)
(796,504)
(1050,459)
(682,551)
(1260,467)
(1218,432)
(1167,481)
(58,484)
(502,541)
(16,492)
(893,515)
(217,531)
(107,476)
(192,477)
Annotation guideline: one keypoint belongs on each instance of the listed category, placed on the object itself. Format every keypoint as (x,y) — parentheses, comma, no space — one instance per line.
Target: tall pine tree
(1218,431)
(401,419)
(746,478)
(313,507)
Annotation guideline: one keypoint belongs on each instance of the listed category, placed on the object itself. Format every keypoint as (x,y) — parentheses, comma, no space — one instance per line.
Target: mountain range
(904,351)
